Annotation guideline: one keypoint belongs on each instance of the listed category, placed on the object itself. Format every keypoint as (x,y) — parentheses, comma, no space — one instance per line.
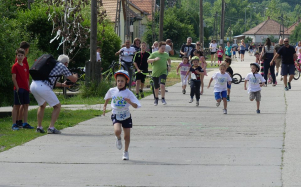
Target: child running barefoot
(195,81)
(122,98)
(230,72)
(185,66)
(220,87)
(254,87)
(220,54)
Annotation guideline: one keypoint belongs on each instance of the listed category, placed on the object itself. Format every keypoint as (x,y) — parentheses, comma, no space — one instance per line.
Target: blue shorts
(21,97)
(228,86)
(287,69)
(242,52)
(220,95)
(127,123)
(234,53)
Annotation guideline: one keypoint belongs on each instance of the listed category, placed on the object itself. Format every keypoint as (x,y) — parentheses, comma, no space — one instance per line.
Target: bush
(9,42)
(95,90)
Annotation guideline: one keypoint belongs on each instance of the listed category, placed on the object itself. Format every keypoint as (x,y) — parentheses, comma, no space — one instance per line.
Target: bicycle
(108,75)
(297,71)
(74,87)
(236,78)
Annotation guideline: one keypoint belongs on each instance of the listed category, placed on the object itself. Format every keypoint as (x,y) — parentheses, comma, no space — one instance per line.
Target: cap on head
(122,72)
(195,58)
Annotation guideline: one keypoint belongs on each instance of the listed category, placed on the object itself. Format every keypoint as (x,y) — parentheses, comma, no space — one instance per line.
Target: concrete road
(174,145)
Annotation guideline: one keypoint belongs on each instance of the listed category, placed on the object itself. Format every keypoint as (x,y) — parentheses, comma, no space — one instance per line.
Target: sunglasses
(285,41)
(198,44)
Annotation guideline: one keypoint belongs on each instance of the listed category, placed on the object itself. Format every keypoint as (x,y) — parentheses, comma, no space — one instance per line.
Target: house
(265,29)
(132,23)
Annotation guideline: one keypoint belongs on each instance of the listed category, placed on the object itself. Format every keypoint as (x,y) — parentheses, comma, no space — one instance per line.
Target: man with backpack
(42,88)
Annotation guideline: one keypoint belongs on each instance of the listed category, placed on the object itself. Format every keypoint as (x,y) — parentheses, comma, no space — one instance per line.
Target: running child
(230,72)
(195,81)
(185,66)
(21,89)
(122,98)
(203,65)
(220,54)
(220,87)
(254,87)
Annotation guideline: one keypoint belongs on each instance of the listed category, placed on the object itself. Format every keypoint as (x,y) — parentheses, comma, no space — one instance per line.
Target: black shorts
(159,80)
(140,76)
(127,123)
(228,56)
(213,53)
(220,58)
(21,97)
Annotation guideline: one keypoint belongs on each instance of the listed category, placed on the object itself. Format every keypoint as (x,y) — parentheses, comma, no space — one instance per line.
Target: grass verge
(67,118)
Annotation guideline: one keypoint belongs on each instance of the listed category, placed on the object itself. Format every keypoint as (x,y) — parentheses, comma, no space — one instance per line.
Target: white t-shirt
(118,103)
(213,47)
(98,58)
(167,49)
(298,48)
(220,81)
(254,85)
(127,54)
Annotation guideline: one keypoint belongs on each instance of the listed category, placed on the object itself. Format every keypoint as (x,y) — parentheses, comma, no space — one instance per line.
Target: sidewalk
(173,145)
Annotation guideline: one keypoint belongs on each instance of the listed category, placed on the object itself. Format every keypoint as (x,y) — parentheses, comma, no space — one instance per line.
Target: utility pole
(223,23)
(281,34)
(162,3)
(201,24)
(245,19)
(93,39)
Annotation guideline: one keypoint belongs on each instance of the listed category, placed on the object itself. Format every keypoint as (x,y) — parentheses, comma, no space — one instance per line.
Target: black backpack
(42,67)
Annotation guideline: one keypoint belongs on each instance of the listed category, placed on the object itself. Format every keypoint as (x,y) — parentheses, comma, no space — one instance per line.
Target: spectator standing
(187,48)
(169,47)
(198,48)
(155,46)
(268,64)
(136,44)
(213,49)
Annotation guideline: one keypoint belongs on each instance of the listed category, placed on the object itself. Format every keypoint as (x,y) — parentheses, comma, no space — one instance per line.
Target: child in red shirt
(21,89)
(220,54)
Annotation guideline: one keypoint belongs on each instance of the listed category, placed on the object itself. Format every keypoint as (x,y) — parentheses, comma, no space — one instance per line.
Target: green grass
(67,118)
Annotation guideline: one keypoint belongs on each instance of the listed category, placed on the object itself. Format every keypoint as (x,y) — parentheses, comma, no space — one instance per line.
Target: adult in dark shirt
(141,66)
(259,48)
(187,48)
(198,48)
(288,56)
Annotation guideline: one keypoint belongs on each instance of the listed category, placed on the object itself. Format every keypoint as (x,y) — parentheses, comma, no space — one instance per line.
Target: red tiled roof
(268,27)
(110,7)
(291,29)
(145,5)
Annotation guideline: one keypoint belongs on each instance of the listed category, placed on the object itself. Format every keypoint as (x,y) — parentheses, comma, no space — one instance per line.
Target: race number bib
(193,76)
(123,115)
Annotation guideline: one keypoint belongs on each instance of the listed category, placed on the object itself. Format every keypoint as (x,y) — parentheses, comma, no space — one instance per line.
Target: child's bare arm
(187,73)
(131,103)
(210,82)
(105,106)
(178,69)
(15,81)
(246,84)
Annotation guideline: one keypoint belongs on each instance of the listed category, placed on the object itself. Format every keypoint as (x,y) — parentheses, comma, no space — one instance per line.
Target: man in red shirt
(20,79)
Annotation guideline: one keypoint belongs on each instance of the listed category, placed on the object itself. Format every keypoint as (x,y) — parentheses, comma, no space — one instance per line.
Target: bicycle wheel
(297,74)
(236,79)
(73,87)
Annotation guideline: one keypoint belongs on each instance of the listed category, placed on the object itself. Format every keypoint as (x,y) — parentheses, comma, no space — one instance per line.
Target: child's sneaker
(125,155)
(40,130)
(163,101)
(184,91)
(156,102)
(15,127)
(286,88)
(197,103)
(258,111)
(225,111)
(289,85)
(27,126)
(137,95)
(53,131)
(191,100)
(141,94)
(118,143)
(217,104)
(228,98)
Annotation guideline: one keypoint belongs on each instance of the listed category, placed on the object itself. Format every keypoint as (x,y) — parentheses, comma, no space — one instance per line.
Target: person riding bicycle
(126,55)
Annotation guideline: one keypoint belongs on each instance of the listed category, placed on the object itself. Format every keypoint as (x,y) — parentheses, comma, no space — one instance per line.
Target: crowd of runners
(192,71)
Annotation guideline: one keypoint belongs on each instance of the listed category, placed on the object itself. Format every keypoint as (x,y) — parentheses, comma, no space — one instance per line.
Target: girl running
(185,66)
(203,65)
(220,54)
(122,98)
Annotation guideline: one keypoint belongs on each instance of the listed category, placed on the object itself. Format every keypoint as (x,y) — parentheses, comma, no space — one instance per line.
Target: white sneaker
(118,143)
(125,156)
(217,104)
(225,111)
(197,103)
(191,100)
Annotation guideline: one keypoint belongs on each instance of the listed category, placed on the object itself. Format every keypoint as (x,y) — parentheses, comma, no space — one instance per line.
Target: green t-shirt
(160,66)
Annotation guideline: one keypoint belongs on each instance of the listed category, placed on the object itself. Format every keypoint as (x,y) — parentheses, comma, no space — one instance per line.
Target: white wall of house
(261,38)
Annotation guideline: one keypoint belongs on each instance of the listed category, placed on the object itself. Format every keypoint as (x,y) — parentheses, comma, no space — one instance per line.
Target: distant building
(264,30)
